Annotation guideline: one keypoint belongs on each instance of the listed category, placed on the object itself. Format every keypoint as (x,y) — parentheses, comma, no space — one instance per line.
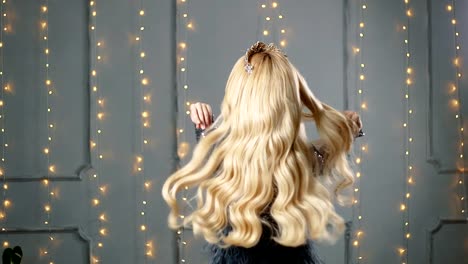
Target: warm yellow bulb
(5,186)
(265,32)
(95,201)
(449,7)
(358,174)
(52,168)
(6,244)
(361,25)
(185,15)
(283,43)
(363,106)
(358,160)
(47,208)
(401,251)
(183,45)
(409,13)
(44,8)
(103,231)
(280,17)
(144,114)
(362,77)
(144,81)
(100,115)
(7,203)
(94,13)
(190,25)
(364,6)
(274,4)
(102,217)
(267,18)
(410,180)
(142,227)
(263,6)
(409,70)
(356,243)
(454,21)
(402,207)
(283,31)
(408,195)
(46,150)
(142,12)
(147,184)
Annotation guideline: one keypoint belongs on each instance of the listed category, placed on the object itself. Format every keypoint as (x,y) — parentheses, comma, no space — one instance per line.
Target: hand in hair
(201,115)
(356,121)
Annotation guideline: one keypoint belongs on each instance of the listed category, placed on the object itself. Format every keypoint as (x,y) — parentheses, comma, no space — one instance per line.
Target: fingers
(201,114)
(206,115)
(194,115)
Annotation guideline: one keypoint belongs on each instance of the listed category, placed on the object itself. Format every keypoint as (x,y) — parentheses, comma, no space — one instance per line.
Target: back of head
(257,161)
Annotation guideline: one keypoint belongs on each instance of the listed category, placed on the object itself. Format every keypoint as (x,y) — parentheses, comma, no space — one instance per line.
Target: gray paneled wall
(320,39)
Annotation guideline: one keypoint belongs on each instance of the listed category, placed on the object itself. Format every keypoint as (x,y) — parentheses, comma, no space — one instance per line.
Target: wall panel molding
(431,233)
(77,231)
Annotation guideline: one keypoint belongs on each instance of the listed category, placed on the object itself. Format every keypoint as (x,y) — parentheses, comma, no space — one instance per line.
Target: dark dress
(267,251)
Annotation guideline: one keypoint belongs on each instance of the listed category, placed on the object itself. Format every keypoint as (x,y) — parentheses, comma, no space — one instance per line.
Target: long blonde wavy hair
(256,160)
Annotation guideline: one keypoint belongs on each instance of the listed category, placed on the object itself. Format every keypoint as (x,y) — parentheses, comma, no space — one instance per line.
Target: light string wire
(6,202)
(408,138)
(184,24)
(362,146)
(50,129)
(144,104)
(457,105)
(98,190)
(271,21)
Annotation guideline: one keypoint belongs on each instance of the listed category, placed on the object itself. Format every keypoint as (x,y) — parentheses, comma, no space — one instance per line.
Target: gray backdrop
(320,37)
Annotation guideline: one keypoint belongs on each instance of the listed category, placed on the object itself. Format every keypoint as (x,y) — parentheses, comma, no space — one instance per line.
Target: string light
(184,27)
(99,190)
(5,202)
(408,139)
(457,107)
(49,88)
(361,146)
(144,88)
(271,25)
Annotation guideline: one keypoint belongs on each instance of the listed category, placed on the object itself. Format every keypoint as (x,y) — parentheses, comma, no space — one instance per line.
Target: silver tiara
(248,67)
